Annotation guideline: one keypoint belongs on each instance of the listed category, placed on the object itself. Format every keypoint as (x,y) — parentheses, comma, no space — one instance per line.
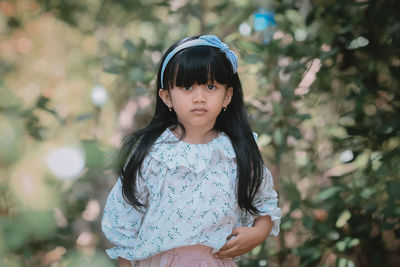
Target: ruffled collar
(175,153)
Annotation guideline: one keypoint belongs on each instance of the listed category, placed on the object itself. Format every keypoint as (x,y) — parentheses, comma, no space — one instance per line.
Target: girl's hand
(246,238)
(124,262)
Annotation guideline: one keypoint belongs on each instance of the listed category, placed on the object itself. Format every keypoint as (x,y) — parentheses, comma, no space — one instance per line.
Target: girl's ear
(166,98)
(228,96)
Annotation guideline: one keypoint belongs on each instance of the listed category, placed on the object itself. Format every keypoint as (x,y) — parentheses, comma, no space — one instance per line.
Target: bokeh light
(245,29)
(92,210)
(359,42)
(99,96)
(346,156)
(66,163)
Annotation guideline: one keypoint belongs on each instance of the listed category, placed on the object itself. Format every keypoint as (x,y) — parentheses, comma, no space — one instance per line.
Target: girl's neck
(196,136)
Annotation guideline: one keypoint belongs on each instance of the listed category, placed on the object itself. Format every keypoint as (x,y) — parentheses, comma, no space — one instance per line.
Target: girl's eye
(187,88)
(211,86)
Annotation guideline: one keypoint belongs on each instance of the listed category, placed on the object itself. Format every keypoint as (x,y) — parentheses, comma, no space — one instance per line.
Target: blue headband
(206,40)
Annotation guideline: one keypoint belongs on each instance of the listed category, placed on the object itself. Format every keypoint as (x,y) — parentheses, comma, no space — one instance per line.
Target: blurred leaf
(343,218)
(301,116)
(287,93)
(194,10)
(341,170)
(84,117)
(40,224)
(310,253)
(250,46)
(329,193)
(14,235)
(370,207)
(308,222)
(264,140)
(8,99)
(329,54)
(291,192)
(278,137)
(294,66)
(136,74)
(326,231)
(42,102)
(147,78)
(391,209)
(116,66)
(342,262)
(368,192)
(113,69)
(287,223)
(295,205)
(294,131)
(33,126)
(94,154)
(278,109)
(11,142)
(393,188)
(130,47)
(253,59)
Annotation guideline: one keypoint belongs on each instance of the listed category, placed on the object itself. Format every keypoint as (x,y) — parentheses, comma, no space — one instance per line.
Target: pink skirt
(190,256)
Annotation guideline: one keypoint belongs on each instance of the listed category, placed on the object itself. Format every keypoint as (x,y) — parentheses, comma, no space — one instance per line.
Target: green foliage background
(323,96)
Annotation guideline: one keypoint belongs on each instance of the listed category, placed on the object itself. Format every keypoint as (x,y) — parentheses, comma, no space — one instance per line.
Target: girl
(193,190)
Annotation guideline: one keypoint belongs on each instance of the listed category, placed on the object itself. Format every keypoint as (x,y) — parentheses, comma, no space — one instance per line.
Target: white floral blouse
(189,192)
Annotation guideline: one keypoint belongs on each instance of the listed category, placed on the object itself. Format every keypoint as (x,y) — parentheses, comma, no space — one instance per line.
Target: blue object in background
(265,24)
(263,19)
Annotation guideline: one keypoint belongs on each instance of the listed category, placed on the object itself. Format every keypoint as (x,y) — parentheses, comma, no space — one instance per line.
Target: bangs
(200,64)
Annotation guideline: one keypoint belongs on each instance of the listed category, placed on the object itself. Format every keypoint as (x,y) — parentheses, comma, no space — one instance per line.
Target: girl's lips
(199,110)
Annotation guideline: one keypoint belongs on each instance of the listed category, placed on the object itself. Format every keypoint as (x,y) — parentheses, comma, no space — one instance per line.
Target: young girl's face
(197,106)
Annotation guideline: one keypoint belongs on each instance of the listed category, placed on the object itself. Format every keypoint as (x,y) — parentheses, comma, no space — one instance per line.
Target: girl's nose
(199,95)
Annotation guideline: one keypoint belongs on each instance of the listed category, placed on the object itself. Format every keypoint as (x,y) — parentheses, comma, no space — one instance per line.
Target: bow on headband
(206,40)
(224,47)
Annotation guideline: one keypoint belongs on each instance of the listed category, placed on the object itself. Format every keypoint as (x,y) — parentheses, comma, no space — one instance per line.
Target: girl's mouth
(199,110)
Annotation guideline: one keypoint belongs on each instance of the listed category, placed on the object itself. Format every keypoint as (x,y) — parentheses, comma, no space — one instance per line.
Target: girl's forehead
(208,82)
(188,69)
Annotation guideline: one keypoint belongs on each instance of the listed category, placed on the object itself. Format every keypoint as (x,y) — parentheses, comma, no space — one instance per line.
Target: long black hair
(198,64)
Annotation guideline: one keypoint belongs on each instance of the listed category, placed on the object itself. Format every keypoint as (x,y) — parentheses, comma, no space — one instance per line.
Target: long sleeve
(121,222)
(266,201)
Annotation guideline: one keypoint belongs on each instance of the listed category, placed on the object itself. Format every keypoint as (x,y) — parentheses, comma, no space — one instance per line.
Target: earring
(170,109)
(224,108)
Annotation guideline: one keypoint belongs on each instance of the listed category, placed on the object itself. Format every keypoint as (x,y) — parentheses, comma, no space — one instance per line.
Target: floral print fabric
(189,193)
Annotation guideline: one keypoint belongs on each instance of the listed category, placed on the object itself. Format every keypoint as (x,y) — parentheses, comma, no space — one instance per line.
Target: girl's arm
(124,262)
(246,238)
(264,223)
